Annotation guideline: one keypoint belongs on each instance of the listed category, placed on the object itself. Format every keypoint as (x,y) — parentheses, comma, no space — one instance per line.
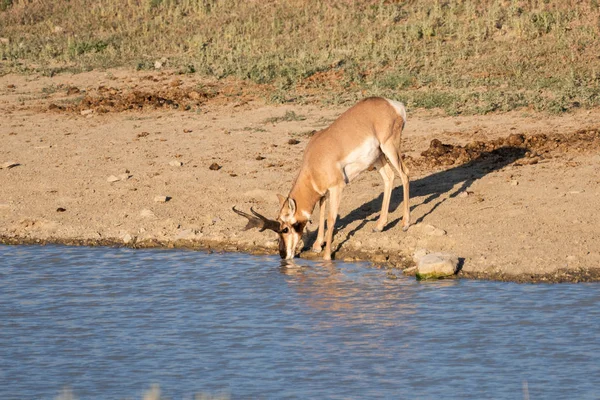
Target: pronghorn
(367,134)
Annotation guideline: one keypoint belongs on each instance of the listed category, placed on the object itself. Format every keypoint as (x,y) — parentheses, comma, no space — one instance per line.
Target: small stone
(161,199)
(433,231)
(9,165)
(61,209)
(465,193)
(436,265)
(113,178)
(11,86)
(124,177)
(175,163)
(145,213)
(86,112)
(260,158)
(514,182)
(127,238)
(215,167)
(158,65)
(293,141)
(194,95)
(187,131)
(185,234)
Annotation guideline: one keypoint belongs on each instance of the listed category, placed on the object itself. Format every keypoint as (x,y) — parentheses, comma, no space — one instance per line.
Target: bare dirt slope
(517,194)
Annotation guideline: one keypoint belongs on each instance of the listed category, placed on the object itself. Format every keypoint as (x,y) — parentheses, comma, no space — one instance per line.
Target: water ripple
(108,322)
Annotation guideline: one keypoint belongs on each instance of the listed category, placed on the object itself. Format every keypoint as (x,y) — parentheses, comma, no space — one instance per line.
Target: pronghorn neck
(306,198)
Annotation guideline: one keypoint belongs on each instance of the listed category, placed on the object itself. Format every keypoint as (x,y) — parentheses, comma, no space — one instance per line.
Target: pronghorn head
(287,225)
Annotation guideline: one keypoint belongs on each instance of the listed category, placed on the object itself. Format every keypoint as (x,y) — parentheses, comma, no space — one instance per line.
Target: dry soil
(86,159)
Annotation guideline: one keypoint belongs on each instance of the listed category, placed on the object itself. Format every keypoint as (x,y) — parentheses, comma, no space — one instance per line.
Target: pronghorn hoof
(316,249)
(376,229)
(405,228)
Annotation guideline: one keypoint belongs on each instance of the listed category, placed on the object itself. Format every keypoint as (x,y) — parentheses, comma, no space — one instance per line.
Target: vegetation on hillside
(464,56)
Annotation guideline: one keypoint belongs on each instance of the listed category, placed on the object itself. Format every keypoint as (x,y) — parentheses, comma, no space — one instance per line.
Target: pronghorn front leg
(318,244)
(335,195)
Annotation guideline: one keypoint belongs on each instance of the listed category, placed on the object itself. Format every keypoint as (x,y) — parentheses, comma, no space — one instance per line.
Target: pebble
(121,177)
(127,238)
(175,163)
(514,182)
(87,112)
(214,167)
(161,199)
(147,213)
(436,265)
(433,231)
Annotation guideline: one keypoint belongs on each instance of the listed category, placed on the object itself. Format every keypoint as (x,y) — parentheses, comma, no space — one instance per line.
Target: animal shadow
(432,187)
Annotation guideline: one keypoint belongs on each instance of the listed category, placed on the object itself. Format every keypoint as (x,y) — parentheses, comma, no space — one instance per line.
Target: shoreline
(514,195)
(397,263)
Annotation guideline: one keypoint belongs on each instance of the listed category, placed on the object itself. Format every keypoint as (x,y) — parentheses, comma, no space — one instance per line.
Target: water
(107,323)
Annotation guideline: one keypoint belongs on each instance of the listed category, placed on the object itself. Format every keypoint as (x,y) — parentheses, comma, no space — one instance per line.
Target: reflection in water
(107,322)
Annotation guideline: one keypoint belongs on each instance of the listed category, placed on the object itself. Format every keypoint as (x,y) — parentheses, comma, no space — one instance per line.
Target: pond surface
(107,323)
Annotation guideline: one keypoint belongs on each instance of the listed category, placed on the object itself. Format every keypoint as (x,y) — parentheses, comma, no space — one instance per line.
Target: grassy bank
(465,57)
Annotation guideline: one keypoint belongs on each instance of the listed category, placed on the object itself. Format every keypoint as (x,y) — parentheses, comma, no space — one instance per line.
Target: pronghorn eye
(285,230)
(298,227)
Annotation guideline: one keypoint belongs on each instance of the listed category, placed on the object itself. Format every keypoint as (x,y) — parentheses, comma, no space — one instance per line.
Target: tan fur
(367,134)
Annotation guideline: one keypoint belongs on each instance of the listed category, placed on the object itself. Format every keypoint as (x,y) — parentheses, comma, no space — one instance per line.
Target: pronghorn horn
(258,221)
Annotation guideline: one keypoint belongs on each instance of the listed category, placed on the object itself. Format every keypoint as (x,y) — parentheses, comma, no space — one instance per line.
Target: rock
(161,199)
(214,167)
(419,253)
(175,163)
(61,209)
(86,112)
(514,182)
(293,141)
(127,238)
(113,178)
(124,177)
(185,234)
(9,165)
(158,65)
(145,213)
(436,265)
(433,231)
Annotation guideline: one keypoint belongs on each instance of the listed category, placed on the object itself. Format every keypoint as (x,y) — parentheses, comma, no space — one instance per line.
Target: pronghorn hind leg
(318,244)
(393,156)
(387,173)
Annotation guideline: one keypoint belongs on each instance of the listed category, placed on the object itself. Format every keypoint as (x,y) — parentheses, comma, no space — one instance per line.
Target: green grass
(287,117)
(463,57)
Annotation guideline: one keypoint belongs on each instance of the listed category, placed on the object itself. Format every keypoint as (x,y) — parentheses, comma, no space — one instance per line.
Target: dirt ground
(85,158)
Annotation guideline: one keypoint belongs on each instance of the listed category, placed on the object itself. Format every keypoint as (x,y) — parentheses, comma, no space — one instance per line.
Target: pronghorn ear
(281,199)
(292,206)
